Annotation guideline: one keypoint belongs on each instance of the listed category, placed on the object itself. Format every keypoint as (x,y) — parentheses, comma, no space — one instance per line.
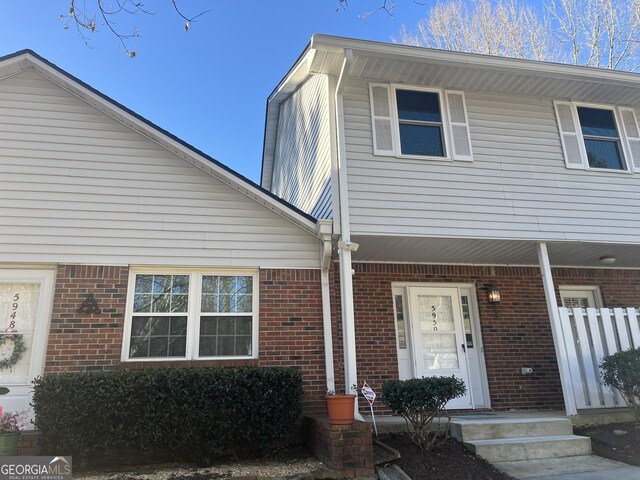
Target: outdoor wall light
(607,259)
(494,295)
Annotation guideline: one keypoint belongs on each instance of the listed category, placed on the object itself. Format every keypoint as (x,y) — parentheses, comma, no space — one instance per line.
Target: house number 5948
(434,317)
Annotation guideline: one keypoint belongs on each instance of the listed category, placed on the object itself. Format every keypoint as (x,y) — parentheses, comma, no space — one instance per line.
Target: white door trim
(463,289)
(46,280)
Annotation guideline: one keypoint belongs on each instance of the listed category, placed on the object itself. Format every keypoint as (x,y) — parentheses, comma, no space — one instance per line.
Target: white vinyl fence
(589,334)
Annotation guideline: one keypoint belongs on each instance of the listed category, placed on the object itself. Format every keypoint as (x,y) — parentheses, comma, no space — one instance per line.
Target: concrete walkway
(589,467)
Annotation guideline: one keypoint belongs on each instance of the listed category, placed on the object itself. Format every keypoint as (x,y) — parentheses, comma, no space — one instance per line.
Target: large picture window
(191,315)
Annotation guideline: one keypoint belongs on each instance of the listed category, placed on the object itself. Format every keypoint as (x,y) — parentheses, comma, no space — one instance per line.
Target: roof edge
(306,220)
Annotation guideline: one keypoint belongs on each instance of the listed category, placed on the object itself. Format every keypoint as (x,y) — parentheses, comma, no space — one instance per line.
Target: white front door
(438,337)
(25,307)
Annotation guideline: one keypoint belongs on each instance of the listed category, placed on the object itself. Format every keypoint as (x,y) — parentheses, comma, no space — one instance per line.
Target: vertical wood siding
(517,187)
(80,187)
(302,164)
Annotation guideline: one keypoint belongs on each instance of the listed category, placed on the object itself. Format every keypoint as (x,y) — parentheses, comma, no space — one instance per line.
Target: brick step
(468,430)
(530,448)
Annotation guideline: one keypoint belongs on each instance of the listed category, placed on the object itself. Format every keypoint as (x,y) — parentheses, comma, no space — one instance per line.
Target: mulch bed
(610,441)
(448,461)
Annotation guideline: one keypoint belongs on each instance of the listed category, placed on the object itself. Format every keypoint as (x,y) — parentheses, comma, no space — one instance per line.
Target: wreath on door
(11,348)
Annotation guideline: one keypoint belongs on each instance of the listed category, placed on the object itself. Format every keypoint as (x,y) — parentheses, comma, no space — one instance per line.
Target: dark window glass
(603,154)
(601,139)
(597,122)
(220,336)
(420,122)
(421,106)
(421,140)
(158,337)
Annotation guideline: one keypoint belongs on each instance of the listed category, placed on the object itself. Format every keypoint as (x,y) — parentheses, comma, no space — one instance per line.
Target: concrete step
(530,448)
(392,472)
(468,430)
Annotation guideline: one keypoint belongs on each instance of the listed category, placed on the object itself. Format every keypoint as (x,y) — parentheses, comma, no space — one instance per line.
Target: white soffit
(489,252)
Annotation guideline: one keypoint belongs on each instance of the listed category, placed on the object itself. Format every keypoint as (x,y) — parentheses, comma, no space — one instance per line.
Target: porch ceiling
(490,252)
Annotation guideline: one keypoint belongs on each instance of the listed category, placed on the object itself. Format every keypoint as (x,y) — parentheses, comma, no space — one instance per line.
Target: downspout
(345,246)
(324,232)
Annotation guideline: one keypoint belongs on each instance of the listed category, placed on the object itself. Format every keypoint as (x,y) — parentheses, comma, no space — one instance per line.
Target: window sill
(608,170)
(423,157)
(184,363)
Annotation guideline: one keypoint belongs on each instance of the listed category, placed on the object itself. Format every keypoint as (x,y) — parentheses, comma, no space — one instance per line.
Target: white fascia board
(165,140)
(516,65)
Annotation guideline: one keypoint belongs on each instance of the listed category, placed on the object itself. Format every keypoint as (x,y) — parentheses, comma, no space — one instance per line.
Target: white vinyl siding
(302,164)
(517,187)
(80,187)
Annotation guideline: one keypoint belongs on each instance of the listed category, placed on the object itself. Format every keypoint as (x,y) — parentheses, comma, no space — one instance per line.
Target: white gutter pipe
(345,246)
(324,232)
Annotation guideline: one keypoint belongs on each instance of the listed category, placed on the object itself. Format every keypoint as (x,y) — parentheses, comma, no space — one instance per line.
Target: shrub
(192,412)
(622,371)
(421,402)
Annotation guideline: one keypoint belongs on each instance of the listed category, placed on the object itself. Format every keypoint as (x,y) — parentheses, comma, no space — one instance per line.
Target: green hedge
(193,412)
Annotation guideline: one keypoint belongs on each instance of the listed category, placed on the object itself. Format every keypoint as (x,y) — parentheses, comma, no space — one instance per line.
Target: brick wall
(516,333)
(291,332)
(345,448)
(80,342)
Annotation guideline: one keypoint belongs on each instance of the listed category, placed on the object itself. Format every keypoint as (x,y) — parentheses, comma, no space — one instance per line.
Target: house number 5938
(434,317)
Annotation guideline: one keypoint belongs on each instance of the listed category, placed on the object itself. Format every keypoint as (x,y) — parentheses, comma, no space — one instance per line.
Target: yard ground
(449,461)
(617,441)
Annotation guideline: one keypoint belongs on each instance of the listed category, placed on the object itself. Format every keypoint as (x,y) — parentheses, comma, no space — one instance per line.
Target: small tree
(421,402)
(622,371)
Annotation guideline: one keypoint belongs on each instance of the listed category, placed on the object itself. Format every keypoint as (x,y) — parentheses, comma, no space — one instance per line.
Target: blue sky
(208,86)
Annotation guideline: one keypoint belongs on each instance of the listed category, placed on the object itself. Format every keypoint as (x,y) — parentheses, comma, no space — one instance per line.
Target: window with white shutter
(419,122)
(381,120)
(630,125)
(459,126)
(592,137)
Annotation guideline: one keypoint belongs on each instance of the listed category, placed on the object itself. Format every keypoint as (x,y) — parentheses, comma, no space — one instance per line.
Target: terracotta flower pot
(9,443)
(341,408)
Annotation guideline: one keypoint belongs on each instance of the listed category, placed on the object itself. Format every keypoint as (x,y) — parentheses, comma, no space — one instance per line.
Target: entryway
(25,307)
(438,334)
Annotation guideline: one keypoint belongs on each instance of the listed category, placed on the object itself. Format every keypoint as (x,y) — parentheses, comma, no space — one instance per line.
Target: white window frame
(593,289)
(622,136)
(193,313)
(395,120)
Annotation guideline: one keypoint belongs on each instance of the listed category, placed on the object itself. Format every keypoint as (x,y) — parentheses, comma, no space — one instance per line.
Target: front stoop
(508,440)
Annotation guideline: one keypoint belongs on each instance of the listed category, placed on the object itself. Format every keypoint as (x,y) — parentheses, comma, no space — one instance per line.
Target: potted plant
(10,425)
(341,407)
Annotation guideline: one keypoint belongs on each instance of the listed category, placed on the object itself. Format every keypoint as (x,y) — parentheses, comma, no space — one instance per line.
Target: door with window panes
(439,341)
(25,308)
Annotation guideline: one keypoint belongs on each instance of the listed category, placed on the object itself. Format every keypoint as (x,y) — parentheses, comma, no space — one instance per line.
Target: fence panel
(590,334)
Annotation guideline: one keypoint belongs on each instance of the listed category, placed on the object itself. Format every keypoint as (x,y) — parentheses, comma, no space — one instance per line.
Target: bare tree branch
(599,33)
(88,16)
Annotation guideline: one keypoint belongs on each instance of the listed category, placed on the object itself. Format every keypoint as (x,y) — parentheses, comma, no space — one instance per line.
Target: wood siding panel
(80,187)
(517,187)
(302,164)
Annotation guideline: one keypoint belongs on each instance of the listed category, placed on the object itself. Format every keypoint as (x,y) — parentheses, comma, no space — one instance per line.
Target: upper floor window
(191,315)
(599,137)
(419,123)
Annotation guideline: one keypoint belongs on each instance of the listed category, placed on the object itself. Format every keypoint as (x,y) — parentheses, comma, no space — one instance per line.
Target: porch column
(556,330)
